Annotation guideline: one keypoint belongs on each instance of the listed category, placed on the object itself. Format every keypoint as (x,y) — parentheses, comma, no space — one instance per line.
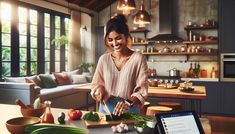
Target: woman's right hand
(98,94)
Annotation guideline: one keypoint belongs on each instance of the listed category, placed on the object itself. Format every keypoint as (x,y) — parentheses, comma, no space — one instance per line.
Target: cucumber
(112,118)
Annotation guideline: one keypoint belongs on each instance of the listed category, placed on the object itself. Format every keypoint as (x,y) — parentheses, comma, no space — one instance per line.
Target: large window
(57,47)
(32,40)
(6,38)
(47,42)
(66,20)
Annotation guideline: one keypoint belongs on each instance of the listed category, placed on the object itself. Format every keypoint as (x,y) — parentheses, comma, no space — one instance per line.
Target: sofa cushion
(47,80)
(34,79)
(79,79)
(15,79)
(62,79)
(27,80)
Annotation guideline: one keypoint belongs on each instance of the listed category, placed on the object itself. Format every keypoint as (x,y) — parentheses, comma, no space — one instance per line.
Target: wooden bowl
(18,125)
(30,111)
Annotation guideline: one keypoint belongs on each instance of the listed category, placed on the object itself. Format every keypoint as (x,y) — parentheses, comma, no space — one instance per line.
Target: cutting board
(102,123)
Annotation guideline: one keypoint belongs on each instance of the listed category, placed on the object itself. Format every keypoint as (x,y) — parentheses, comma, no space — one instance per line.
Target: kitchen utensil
(174,72)
(21,104)
(18,125)
(106,109)
(33,112)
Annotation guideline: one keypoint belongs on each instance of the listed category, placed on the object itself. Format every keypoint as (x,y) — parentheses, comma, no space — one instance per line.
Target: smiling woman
(120,79)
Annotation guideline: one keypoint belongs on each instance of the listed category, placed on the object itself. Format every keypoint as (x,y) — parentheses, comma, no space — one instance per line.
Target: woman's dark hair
(117,24)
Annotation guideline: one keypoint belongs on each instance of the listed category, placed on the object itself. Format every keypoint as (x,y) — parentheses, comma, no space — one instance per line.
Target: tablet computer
(184,122)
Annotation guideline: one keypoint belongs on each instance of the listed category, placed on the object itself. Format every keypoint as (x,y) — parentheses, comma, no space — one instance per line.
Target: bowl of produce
(186,89)
(18,125)
(31,111)
(143,128)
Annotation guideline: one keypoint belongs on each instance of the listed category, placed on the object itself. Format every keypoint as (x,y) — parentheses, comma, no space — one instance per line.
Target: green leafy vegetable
(134,116)
(91,116)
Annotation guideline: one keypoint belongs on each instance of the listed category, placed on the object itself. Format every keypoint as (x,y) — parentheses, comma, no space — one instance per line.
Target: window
(57,47)
(47,42)
(6,38)
(33,51)
(66,20)
(33,40)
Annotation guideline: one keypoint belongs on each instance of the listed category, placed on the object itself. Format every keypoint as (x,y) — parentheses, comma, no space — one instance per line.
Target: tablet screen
(180,123)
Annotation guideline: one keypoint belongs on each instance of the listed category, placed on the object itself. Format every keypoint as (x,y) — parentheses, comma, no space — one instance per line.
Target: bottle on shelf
(47,116)
(213,72)
(196,70)
(190,71)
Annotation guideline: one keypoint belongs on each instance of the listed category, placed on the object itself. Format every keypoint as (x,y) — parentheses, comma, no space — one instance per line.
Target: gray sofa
(63,96)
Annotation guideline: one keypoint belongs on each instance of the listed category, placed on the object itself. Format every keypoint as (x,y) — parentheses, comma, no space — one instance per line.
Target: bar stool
(174,105)
(143,110)
(152,110)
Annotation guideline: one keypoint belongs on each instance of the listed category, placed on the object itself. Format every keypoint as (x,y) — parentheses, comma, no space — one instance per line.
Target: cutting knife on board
(106,109)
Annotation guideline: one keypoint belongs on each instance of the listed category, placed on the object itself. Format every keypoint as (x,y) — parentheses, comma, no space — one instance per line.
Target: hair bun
(121,17)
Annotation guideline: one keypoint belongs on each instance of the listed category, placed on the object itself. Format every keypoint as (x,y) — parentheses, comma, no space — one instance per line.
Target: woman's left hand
(120,108)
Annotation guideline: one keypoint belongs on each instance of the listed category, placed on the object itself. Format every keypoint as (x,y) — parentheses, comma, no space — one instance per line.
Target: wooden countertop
(198,93)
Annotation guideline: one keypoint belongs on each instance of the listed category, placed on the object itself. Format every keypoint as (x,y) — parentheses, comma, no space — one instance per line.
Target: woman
(120,79)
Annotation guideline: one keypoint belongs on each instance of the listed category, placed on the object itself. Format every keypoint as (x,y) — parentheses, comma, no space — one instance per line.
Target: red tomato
(74,114)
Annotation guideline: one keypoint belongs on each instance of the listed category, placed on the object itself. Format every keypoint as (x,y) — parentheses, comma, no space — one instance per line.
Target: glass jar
(47,116)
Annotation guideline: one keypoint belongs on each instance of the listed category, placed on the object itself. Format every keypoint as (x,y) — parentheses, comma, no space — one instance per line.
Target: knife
(106,109)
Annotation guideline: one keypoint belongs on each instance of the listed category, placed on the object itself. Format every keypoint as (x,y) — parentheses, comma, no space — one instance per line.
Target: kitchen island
(12,111)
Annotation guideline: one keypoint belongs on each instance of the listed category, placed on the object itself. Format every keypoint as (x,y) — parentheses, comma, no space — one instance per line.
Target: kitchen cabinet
(227,26)
(212,104)
(228,98)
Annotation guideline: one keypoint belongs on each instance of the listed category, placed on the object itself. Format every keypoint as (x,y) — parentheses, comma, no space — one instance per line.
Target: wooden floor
(222,125)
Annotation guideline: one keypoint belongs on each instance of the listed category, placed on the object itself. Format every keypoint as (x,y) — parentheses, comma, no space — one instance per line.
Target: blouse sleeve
(141,88)
(98,79)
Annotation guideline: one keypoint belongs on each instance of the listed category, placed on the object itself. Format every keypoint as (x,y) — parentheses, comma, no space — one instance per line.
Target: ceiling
(95,5)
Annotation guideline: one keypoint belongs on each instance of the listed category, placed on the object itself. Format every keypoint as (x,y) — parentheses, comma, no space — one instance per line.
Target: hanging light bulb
(126,6)
(142,17)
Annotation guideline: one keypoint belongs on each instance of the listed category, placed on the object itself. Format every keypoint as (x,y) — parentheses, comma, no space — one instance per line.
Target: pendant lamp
(142,17)
(126,6)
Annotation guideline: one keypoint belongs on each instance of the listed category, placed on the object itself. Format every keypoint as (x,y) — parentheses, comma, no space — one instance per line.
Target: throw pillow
(27,80)
(35,79)
(79,79)
(62,78)
(47,80)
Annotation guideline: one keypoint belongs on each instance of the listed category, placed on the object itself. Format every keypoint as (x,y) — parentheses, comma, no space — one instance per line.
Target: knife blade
(106,109)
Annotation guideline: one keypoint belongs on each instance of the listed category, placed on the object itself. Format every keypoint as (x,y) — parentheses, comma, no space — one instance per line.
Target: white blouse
(131,80)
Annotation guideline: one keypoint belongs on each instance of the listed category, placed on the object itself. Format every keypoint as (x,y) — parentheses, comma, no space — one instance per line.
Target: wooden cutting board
(102,123)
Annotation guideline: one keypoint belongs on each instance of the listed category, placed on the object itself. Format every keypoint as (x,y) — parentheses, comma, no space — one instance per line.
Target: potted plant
(85,66)
(62,40)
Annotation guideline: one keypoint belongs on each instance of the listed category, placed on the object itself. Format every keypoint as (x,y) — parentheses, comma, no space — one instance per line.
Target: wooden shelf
(140,43)
(200,28)
(215,42)
(180,53)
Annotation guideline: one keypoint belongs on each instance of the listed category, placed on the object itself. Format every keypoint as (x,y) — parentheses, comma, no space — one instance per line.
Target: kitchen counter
(12,111)
(201,79)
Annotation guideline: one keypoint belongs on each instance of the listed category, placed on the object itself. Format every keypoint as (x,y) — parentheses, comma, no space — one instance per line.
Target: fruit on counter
(91,116)
(54,129)
(120,128)
(61,118)
(37,103)
(75,114)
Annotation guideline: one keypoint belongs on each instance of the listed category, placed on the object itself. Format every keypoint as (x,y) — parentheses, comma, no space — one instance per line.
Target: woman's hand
(99,95)
(120,108)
